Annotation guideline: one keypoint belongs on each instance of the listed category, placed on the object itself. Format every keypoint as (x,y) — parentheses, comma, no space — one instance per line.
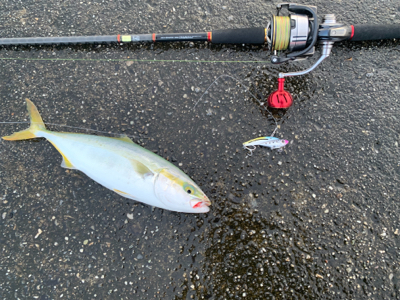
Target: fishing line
(74,127)
(134,60)
(247,90)
(280,32)
(249,147)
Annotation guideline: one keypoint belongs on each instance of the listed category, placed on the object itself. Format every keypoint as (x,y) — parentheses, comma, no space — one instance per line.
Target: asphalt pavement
(319,220)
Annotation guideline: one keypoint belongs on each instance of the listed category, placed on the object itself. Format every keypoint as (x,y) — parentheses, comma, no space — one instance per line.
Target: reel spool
(289,33)
(296,33)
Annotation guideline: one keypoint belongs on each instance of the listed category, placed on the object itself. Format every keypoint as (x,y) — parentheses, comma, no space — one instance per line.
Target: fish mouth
(200,202)
(206,201)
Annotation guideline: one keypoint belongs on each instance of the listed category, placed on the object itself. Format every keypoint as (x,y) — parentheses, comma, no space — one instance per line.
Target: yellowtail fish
(122,166)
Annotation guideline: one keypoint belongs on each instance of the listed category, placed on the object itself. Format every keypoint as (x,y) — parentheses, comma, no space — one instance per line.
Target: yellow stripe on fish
(122,166)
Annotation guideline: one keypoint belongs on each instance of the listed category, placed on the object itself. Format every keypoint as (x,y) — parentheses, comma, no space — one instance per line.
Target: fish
(266,141)
(122,166)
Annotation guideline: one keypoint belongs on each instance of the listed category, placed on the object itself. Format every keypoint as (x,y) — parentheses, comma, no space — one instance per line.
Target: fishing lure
(265,141)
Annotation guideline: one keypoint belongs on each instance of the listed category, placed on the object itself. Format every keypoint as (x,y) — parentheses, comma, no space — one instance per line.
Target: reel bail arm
(329,21)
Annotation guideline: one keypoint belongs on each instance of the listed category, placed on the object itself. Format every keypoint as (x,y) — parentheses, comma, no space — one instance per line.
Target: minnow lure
(265,141)
(121,166)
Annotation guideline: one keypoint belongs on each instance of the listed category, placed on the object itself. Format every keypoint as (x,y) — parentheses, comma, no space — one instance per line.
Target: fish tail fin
(37,125)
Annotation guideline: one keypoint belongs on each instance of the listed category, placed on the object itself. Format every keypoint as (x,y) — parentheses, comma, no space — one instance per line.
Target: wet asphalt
(319,220)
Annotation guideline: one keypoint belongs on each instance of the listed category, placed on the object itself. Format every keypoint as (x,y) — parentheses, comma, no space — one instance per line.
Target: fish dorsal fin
(124,138)
(141,168)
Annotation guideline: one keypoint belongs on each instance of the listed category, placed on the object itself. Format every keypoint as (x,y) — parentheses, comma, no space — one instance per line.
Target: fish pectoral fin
(123,194)
(141,168)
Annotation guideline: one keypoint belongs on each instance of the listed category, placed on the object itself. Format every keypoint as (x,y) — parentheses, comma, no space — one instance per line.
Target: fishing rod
(290,37)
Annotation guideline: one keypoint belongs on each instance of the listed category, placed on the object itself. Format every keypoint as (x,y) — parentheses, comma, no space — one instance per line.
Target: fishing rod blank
(255,36)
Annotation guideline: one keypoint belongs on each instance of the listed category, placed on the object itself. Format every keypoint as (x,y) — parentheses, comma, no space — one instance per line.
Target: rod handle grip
(239,36)
(369,32)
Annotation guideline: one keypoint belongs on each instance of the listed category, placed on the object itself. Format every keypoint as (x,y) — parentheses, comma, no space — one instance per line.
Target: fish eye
(188,189)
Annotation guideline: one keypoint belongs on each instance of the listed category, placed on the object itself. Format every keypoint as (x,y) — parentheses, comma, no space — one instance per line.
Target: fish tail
(37,125)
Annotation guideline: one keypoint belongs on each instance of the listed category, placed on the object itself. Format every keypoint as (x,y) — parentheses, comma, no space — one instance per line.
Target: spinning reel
(296,36)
